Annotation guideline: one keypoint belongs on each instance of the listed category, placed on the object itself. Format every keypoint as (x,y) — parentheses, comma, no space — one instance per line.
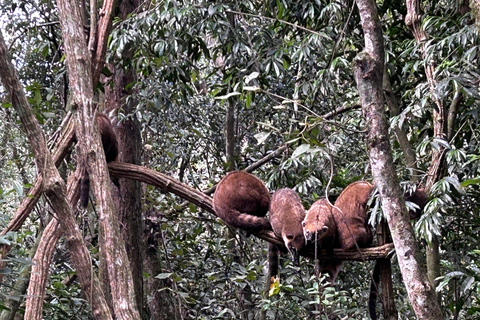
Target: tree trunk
(440,119)
(128,197)
(385,267)
(408,152)
(91,155)
(475,6)
(368,68)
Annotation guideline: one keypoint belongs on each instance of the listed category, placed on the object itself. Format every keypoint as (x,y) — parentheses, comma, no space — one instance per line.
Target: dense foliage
(284,65)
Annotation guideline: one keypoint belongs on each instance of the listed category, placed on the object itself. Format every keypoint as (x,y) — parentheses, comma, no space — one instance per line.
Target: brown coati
(351,219)
(350,215)
(241,200)
(420,198)
(319,224)
(286,216)
(110,147)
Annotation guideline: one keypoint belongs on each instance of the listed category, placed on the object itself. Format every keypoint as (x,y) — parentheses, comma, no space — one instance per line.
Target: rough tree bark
(55,190)
(43,257)
(368,68)
(441,117)
(475,6)
(91,155)
(129,196)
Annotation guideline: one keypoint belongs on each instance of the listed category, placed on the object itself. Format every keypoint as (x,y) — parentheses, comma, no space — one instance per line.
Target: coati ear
(324,229)
(290,236)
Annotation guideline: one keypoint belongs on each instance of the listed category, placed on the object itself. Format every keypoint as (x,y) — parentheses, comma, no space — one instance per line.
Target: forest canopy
(307,95)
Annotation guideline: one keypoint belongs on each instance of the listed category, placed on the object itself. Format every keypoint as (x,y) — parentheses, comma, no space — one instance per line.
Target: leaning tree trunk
(55,190)
(368,68)
(82,77)
(443,119)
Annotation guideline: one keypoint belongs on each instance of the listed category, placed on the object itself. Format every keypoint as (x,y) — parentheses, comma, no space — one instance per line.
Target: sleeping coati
(110,147)
(286,215)
(241,200)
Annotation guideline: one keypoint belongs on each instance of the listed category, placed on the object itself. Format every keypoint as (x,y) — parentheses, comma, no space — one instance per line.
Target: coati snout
(286,215)
(309,235)
(294,243)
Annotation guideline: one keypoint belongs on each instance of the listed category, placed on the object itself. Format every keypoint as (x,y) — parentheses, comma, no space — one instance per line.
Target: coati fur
(286,216)
(420,198)
(242,200)
(350,215)
(110,147)
(320,225)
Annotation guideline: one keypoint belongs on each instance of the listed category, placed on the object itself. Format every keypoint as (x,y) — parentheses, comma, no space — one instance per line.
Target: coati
(286,216)
(350,216)
(351,219)
(242,200)
(319,224)
(110,147)
(420,198)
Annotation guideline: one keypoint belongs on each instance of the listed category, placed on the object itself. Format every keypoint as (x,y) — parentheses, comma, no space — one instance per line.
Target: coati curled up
(286,216)
(110,147)
(242,200)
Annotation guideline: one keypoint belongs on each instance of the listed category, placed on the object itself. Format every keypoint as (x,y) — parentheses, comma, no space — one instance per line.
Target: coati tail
(247,222)
(84,190)
(372,299)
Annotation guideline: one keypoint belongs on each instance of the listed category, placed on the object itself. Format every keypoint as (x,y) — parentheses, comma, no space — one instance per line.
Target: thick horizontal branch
(162,181)
(373,253)
(205,202)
